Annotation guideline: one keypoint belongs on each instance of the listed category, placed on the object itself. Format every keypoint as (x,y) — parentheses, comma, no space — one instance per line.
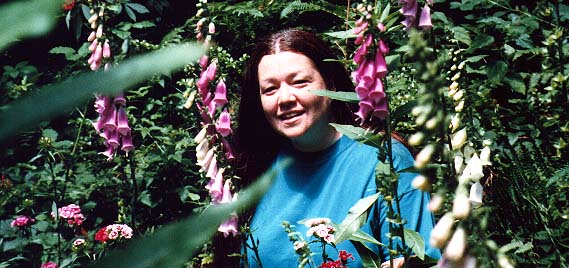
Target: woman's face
(293,112)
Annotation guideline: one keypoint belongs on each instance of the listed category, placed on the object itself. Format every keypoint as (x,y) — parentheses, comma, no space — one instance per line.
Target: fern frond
(559,175)
(298,6)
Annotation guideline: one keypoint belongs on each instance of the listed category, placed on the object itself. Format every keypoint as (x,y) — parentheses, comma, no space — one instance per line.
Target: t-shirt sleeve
(413,204)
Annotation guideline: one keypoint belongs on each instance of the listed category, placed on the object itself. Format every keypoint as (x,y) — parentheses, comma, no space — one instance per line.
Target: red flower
(332,264)
(344,255)
(102,235)
(69,4)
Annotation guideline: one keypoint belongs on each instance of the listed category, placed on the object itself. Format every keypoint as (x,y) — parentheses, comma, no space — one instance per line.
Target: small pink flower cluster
(113,232)
(49,264)
(72,213)
(100,48)
(409,10)
(368,75)
(112,124)
(320,228)
(22,221)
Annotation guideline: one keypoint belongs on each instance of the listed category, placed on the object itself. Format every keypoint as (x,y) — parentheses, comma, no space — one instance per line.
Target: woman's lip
(286,117)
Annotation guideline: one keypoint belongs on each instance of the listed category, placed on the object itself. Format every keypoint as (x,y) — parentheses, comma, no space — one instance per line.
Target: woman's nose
(286,95)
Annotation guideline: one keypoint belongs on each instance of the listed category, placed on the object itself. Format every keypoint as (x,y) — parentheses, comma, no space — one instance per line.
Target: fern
(560,175)
(300,7)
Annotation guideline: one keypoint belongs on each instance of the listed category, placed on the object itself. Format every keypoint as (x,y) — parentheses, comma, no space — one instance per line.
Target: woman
(279,118)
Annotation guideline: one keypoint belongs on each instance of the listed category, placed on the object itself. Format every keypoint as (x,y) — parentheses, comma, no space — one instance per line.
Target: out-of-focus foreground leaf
(53,100)
(26,19)
(174,244)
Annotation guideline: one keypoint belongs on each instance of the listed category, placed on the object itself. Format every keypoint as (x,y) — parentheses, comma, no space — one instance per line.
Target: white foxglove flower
(458,108)
(468,152)
(475,169)
(485,156)
(424,156)
(476,191)
(455,248)
(458,163)
(458,139)
(454,123)
(204,164)
(458,95)
(461,206)
(416,138)
(431,123)
(441,231)
(202,150)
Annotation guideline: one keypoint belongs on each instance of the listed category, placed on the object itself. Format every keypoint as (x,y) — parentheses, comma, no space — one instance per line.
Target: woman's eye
(269,89)
(300,82)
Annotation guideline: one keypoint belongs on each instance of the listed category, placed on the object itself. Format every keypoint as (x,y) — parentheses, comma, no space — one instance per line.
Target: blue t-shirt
(327,184)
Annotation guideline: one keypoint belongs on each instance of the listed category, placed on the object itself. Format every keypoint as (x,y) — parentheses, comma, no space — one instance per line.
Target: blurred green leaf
(53,100)
(337,95)
(368,256)
(359,134)
(175,243)
(415,241)
(24,19)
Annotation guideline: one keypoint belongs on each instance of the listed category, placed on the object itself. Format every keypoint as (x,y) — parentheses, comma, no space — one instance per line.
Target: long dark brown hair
(256,142)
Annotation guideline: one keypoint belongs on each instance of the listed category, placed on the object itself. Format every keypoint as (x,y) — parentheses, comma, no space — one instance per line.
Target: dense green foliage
(514,75)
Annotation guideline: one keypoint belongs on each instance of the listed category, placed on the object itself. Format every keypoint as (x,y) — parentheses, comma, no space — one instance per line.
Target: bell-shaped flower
(99,32)
(229,227)
(93,45)
(227,195)
(362,51)
(461,206)
(109,152)
(114,139)
(206,160)
(441,232)
(211,71)
(111,122)
(215,187)
(366,107)
(202,150)
(380,64)
(202,84)
(435,203)
(127,145)
(102,103)
(223,125)
(201,135)
(468,152)
(425,18)
(227,148)
(220,97)
(376,92)
(106,50)
(122,122)
(476,192)
(211,28)
(119,99)
(212,168)
(454,123)
(361,27)
(485,156)
(91,36)
(203,61)
(458,163)
(458,139)
(380,109)
(455,248)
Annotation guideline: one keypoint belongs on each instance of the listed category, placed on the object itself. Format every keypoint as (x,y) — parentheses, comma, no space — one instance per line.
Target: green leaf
(496,71)
(393,61)
(368,257)
(361,236)
(130,13)
(181,240)
(337,95)
(481,41)
(50,133)
(22,19)
(60,98)
(62,50)
(342,34)
(461,35)
(143,24)
(415,242)
(357,216)
(385,12)
(137,7)
(359,134)
(516,83)
(403,110)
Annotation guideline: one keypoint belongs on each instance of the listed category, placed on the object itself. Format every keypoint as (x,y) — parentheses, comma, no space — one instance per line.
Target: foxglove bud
(422,183)
(455,248)
(476,191)
(454,123)
(458,163)
(211,28)
(441,231)
(485,156)
(416,138)
(91,36)
(435,203)
(458,96)
(458,139)
(106,50)
(99,33)
(458,108)
(461,206)
(424,156)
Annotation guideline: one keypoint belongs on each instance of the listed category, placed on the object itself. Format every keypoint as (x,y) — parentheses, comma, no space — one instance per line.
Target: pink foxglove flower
(203,61)
(223,125)
(127,145)
(122,122)
(425,18)
(227,148)
(119,99)
(211,71)
(230,226)
(211,28)
(202,85)
(441,232)
(215,187)
(111,123)
(49,264)
(106,50)
(93,45)
(91,36)
(114,139)
(220,97)
(409,10)
(109,152)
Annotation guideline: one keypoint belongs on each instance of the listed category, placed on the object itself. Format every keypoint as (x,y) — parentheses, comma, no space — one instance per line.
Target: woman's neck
(317,143)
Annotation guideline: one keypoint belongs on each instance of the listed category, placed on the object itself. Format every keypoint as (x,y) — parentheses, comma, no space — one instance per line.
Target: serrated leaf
(357,216)
(342,34)
(138,8)
(415,241)
(368,257)
(461,35)
(359,134)
(337,95)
